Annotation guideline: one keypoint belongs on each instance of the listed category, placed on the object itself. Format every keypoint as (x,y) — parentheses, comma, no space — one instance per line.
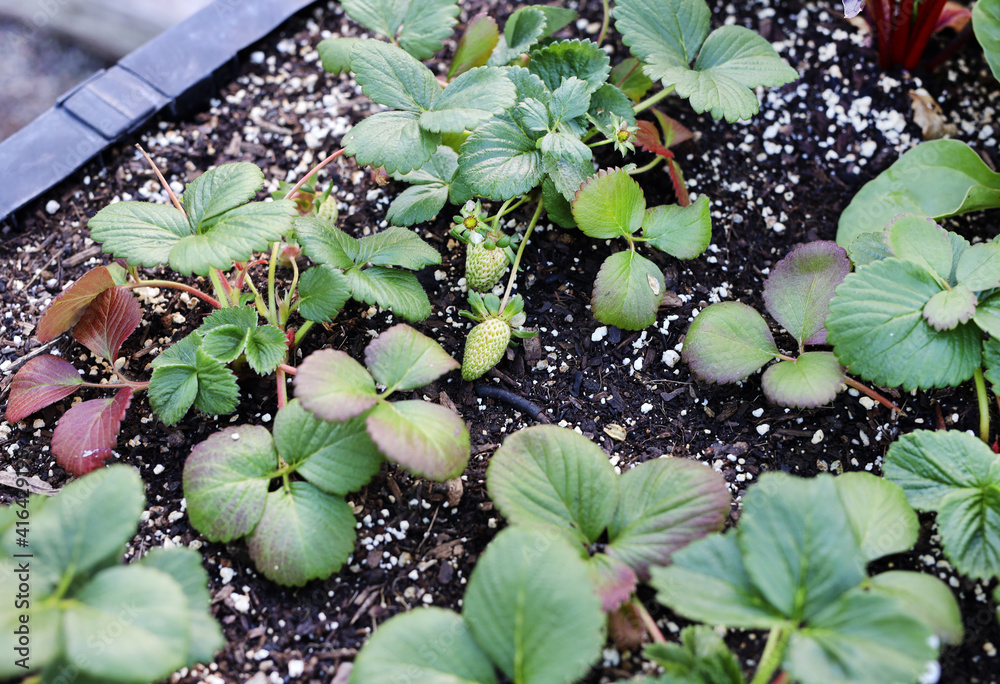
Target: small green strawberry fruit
(484,347)
(484,267)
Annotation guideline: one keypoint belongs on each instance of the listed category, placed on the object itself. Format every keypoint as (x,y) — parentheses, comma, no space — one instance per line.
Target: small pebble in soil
(762,429)
(52,207)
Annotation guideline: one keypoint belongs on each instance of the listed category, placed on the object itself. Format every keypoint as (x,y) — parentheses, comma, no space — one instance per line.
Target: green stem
(652,100)
(175,286)
(643,169)
(984,405)
(604,24)
(295,284)
(774,654)
(606,141)
(64,582)
(851,382)
(520,252)
(503,212)
(220,291)
(301,332)
(272,267)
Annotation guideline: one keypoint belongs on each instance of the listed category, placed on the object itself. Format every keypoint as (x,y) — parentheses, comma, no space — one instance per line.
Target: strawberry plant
(495,325)
(210,228)
(729,341)
(87,616)
(903,27)
(915,311)
(796,565)
(326,443)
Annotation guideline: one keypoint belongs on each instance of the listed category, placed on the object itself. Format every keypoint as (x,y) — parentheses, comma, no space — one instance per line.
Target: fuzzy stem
(648,167)
(604,24)
(520,251)
(301,332)
(774,654)
(851,382)
(285,368)
(175,286)
(282,388)
(647,621)
(652,100)
(166,186)
(984,405)
(309,175)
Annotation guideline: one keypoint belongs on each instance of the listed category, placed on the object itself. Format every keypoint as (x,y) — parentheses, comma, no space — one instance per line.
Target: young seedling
(796,565)
(331,439)
(554,479)
(86,616)
(530,612)
(730,341)
(915,311)
(629,287)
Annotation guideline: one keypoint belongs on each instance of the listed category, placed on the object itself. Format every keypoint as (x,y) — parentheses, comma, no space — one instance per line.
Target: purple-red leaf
(613,581)
(85,436)
(42,381)
(67,308)
(108,321)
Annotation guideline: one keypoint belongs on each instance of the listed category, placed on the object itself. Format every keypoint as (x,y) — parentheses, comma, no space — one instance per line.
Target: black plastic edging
(180,68)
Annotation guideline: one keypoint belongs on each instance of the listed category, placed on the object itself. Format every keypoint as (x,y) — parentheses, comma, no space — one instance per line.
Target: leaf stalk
(520,252)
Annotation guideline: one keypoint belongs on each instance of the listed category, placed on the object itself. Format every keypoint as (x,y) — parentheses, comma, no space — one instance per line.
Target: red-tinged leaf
(42,381)
(85,436)
(680,187)
(67,308)
(648,138)
(108,321)
(953,16)
(613,581)
(674,132)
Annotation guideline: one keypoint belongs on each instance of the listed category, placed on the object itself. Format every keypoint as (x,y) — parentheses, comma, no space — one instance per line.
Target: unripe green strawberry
(484,347)
(484,267)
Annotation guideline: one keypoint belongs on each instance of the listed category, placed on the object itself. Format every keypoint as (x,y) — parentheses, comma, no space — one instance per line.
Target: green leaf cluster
(185,375)
(702,657)
(629,287)
(728,63)
(418,26)
(216,228)
(558,481)
(427,439)
(530,611)
(432,186)
(365,267)
(935,179)
(795,564)
(915,310)
(729,341)
(90,618)
(957,477)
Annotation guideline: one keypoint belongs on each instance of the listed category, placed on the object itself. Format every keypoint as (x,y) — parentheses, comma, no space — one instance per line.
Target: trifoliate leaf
(702,656)
(323,292)
(500,161)
(226,342)
(559,61)
(681,232)
(393,140)
(334,386)
(727,342)
(811,380)
(324,243)
(627,291)
(609,205)
(878,331)
(139,232)
(948,308)
(426,24)
(390,288)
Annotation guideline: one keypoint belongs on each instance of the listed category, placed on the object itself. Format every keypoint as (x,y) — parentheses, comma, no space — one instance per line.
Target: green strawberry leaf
(861,638)
(987,315)
(408,648)
(390,288)
(426,24)
(920,240)
(430,187)
(531,606)
(564,146)
(303,534)
(325,243)
(986,25)
(969,524)
(426,439)
(609,205)
(663,33)
(390,76)
(393,140)
(395,247)
(627,291)
(551,476)
(499,161)
(218,191)
(702,656)
(67,308)
(333,386)
(665,504)
(926,598)
(727,342)
(949,308)
(608,100)
(218,392)
(868,247)
(877,329)
(226,479)
(184,566)
(335,54)
(336,457)
(243,317)
(811,380)
(403,359)
(567,175)
(382,16)
(991,360)
(139,232)
(979,267)
(475,46)
(523,29)
(882,520)
(557,207)
(151,644)
(799,289)
(627,76)
(473,97)
(226,342)
(45,622)
(266,347)
(562,60)
(569,101)
(172,390)
(322,293)
(681,232)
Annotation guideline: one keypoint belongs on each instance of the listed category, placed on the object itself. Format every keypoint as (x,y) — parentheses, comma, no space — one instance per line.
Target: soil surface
(774,182)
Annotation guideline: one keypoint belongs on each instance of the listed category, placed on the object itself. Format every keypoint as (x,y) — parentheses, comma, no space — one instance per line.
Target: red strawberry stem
(174,286)
(520,251)
(851,382)
(647,621)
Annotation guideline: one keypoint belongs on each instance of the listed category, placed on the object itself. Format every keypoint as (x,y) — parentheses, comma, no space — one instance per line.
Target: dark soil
(774,182)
